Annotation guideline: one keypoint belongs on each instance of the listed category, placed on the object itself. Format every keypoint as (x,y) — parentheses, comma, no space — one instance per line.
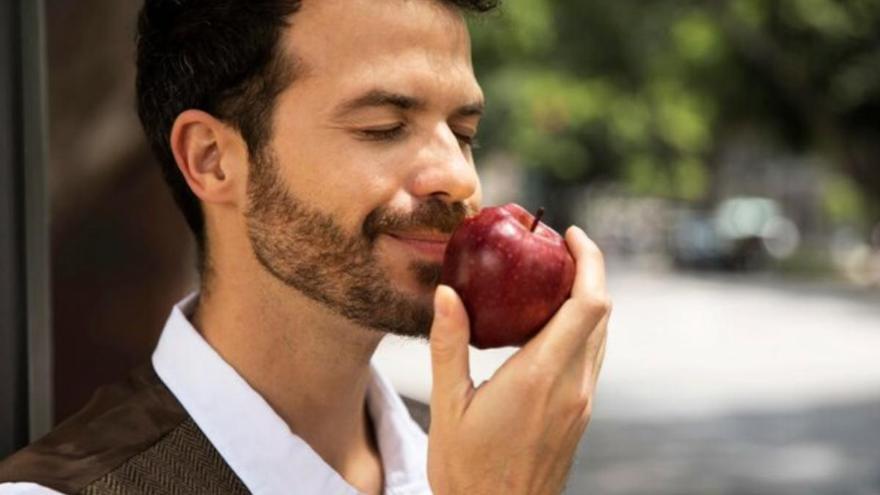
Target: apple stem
(538,216)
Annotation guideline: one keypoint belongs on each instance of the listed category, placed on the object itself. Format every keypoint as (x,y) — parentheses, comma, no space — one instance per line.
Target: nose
(445,169)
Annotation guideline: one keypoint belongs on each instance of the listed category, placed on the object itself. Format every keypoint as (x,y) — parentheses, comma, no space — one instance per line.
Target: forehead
(406,45)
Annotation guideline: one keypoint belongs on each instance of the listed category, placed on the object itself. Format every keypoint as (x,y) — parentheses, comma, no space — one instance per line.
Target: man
(321,153)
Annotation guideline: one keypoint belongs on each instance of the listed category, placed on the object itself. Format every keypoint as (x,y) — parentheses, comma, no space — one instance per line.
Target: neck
(310,365)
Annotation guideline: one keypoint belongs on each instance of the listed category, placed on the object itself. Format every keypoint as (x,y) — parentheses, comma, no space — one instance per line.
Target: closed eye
(384,134)
(397,131)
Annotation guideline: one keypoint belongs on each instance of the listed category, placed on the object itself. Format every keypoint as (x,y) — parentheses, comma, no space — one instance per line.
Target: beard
(308,250)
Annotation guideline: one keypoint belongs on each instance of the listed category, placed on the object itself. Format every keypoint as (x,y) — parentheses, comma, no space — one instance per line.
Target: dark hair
(221,57)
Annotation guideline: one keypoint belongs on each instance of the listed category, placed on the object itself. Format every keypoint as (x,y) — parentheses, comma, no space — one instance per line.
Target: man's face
(369,167)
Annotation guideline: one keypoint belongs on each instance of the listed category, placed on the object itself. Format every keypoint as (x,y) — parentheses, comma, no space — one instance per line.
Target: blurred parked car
(743,233)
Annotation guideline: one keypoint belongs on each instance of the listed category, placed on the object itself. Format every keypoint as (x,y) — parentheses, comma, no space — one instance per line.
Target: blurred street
(721,384)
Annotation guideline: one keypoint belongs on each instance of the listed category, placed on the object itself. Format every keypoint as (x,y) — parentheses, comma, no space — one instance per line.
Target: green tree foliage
(646,92)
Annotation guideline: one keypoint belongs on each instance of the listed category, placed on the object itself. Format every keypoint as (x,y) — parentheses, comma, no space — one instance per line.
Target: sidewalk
(828,451)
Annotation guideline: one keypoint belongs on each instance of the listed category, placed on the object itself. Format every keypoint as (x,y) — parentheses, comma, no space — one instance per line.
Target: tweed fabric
(134,437)
(120,422)
(182,462)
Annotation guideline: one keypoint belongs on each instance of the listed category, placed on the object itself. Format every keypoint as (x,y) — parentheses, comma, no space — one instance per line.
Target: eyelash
(383,134)
(396,132)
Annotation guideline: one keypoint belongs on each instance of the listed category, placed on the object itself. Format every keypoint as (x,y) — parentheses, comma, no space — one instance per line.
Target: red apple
(511,271)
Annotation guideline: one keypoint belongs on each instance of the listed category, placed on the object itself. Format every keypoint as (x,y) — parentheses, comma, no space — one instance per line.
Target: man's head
(333,135)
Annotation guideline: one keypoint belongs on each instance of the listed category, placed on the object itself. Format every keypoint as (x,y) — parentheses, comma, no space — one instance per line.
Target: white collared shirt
(250,436)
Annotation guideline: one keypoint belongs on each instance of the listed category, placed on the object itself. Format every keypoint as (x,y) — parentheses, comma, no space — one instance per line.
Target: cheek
(362,179)
(368,194)
(349,193)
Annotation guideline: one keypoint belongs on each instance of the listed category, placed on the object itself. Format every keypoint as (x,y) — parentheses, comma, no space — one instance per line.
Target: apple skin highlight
(511,280)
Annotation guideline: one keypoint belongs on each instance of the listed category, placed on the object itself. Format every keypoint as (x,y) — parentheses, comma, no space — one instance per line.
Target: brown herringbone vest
(132,438)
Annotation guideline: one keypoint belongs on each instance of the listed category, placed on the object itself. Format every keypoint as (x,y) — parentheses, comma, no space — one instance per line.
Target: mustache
(433,214)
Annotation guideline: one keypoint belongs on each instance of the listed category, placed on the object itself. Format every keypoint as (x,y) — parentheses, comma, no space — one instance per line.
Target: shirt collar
(256,443)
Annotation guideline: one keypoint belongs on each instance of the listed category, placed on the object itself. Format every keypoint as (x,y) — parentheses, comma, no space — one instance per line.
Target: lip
(427,244)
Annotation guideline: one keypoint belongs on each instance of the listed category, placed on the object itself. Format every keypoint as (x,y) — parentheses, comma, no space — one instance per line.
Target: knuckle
(605,305)
(442,354)
(586,413)
(538,382)
(594,308)
(581,402)
(578,409)
(601,306)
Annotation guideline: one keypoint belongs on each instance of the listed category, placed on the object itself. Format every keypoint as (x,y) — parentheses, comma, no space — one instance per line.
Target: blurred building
(121,253)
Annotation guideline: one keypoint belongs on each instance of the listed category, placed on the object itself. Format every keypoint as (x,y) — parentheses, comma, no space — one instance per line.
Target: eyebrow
(382,98)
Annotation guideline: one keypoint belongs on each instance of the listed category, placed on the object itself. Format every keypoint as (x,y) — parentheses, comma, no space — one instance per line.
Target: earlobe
(197,141)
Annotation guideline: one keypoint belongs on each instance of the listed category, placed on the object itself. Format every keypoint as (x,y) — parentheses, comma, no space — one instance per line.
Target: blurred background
(724,154)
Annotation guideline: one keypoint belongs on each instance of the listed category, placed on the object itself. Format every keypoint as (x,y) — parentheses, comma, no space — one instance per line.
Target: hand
(517,433)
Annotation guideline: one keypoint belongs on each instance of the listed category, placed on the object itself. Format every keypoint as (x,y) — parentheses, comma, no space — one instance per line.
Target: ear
(207,153)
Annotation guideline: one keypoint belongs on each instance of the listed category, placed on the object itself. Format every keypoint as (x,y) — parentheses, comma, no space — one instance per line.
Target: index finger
(566,334)
(589,279)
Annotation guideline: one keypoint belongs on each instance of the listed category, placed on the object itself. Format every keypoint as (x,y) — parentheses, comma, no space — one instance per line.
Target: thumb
(450,367)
